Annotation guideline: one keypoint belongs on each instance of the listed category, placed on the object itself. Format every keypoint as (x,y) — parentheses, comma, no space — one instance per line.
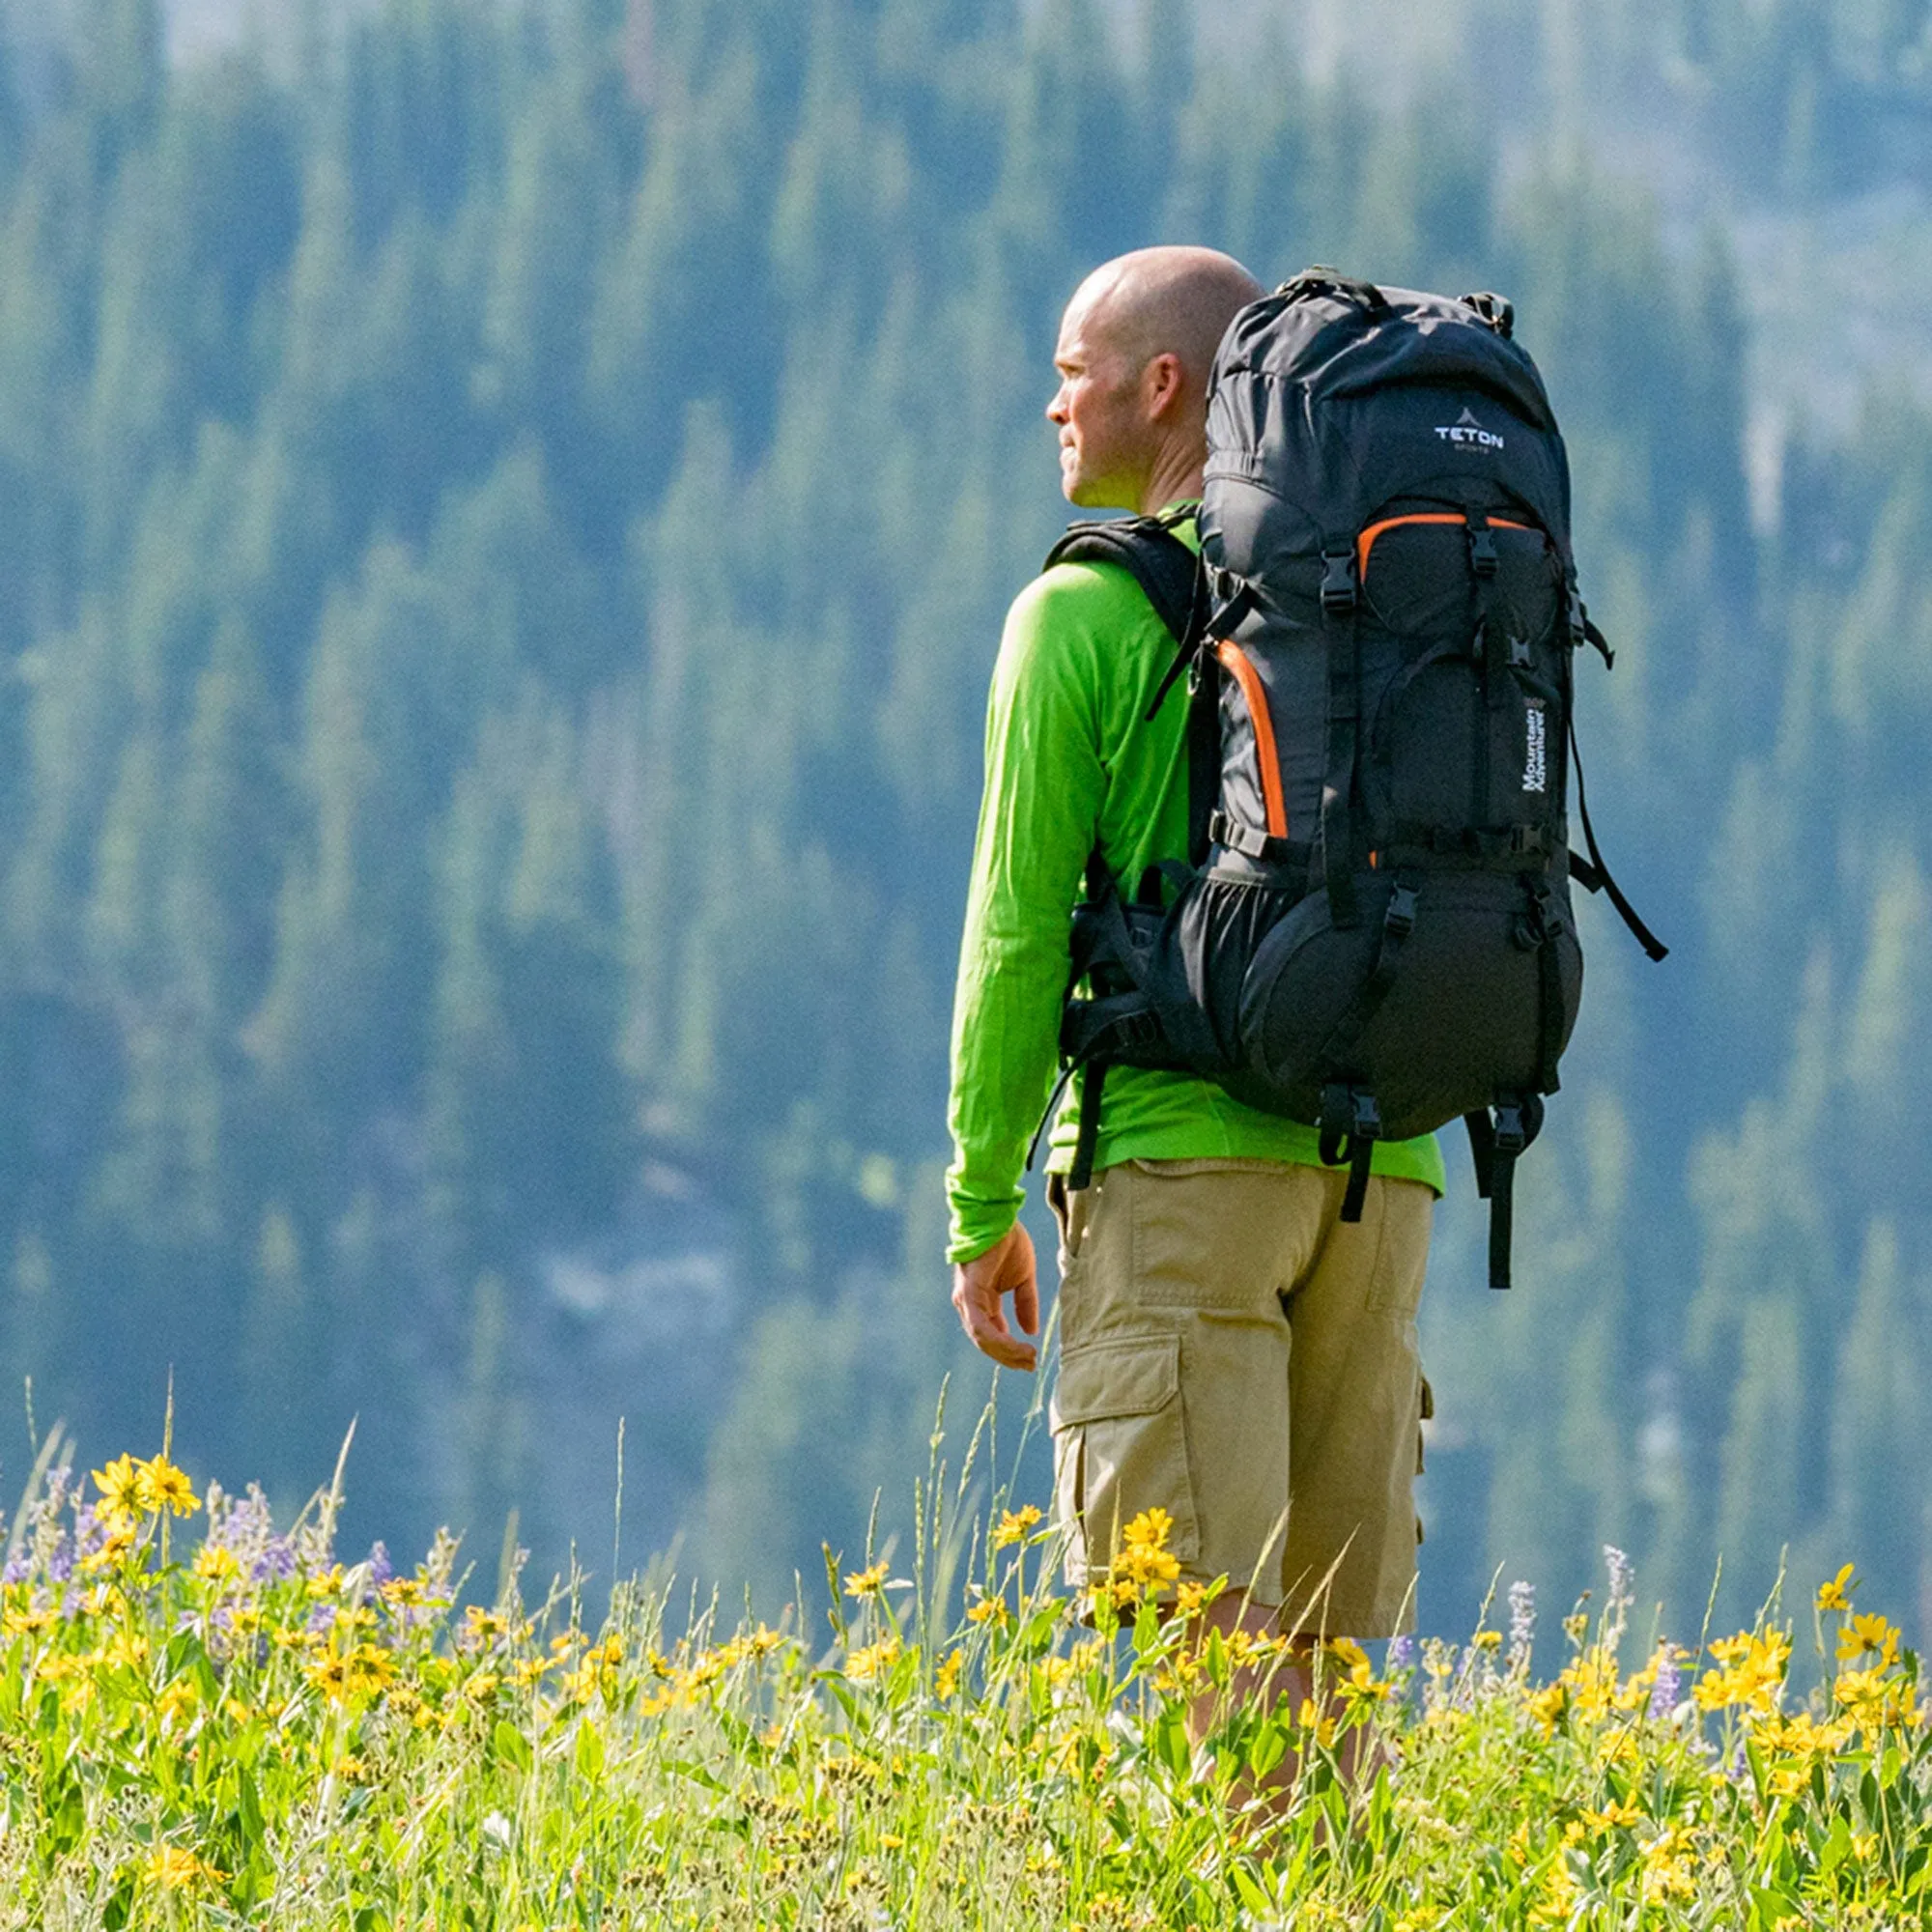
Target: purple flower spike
(381,1569)
(1669,1683)
(1401,1653)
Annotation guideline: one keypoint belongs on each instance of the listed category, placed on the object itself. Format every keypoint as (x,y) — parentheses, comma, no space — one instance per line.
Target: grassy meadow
(207,1720)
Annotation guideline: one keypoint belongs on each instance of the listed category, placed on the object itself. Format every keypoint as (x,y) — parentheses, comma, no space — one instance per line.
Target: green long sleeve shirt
(1069,753)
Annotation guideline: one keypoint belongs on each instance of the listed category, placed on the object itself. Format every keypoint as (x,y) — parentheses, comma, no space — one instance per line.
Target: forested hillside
(505,516)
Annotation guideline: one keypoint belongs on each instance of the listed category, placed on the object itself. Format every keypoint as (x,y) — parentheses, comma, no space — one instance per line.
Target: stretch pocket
(1120,1446)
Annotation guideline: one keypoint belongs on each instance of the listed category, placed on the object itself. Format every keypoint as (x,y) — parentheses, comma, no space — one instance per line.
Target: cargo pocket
(1120,1446)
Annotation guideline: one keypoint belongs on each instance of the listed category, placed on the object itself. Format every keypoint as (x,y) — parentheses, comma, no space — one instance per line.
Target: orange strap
(1366,542)
(1255,696)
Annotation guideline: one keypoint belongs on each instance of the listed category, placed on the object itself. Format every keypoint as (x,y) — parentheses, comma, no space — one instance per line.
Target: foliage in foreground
(252,1732)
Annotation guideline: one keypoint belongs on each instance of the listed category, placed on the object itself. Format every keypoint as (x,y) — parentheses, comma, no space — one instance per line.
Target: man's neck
(1176,479)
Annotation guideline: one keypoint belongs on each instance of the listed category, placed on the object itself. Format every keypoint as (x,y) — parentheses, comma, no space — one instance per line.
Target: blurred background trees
(506,511)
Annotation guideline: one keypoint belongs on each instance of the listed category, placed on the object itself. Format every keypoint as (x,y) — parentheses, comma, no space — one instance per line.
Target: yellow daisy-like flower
(159,1486)
(1837,1595)
(946,1679)
(1014,1525)
(173,1870)
(872,1660)
(216,1564)
(866,1582)
(119,1487)
(988,1610)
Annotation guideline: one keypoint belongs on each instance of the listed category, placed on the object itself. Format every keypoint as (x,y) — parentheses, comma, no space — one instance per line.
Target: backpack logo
(1535,748)
(1466,431)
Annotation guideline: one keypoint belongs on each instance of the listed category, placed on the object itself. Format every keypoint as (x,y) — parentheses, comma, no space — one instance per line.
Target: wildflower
(988,1610)
(1750,1672)
(1014,1525)
(159,1486)
(173,1870)
(872,1660)
(1401,1654)
(866,1582)
(216,1563)
(480,1627)
(119,1487)
(1522,1623)
(1837,1595)
(1667,1684)
(1488,1639)
(1144,1557)
(1622,1575)
(946,1679)
(1313,1718)
(1870,1634)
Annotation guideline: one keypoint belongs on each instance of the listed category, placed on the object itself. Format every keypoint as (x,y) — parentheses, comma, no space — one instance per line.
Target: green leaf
(1251,1893)
(589,1754)
(511,1746)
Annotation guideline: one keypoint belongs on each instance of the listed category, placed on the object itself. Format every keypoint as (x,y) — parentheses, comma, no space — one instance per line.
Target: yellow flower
(1014,1525)
(1488,1639)
(481,1626)
(1870,1632)
(119,1487)
(176,1870)
(159,1486)
(988,1610)
(1837,1595)
(872,1660)
(945,1680)
(866,1582)
(1191,1599)
(216,1564)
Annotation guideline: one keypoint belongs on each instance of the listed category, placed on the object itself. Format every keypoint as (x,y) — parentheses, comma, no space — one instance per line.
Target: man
(1230,1351)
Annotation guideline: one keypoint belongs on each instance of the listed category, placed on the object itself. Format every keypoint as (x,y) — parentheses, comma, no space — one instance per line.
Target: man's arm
(1038,822)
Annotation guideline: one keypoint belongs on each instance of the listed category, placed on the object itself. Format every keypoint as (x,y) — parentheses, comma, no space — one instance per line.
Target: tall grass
(243,1729)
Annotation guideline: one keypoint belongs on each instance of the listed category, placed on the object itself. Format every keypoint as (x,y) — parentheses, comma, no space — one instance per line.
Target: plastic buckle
(1528,839)
(1512,1136)
(1400,918)
(1482,549)
(1367,1124)
(1519,653)
(1337,582)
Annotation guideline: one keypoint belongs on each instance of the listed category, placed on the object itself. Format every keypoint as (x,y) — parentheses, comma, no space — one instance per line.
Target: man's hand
(980,1288)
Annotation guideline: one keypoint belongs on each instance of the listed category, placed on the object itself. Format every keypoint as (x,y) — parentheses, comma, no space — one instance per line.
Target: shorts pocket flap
(1133,1376)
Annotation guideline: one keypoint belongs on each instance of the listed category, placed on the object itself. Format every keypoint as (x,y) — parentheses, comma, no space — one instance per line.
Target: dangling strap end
(1093,1081)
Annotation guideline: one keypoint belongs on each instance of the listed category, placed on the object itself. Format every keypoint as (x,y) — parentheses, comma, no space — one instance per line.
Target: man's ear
(1162,382)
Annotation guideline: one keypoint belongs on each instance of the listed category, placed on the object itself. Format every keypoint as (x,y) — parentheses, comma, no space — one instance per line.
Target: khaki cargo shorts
(1232,1352)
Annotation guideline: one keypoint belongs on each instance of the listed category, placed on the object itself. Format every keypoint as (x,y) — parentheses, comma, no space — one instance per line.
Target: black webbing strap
(1341,597)
(1398,923)
(1350,1126)
(1092,1083)
(1261,847)
(1647,939)
(1203,754)
(1496,1147)
(1548,924)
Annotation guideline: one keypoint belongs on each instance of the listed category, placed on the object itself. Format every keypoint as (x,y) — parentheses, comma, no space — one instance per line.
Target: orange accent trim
(1366,542)
(1255,696)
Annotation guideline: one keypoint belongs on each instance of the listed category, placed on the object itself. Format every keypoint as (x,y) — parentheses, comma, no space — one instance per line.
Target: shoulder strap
(1159,562)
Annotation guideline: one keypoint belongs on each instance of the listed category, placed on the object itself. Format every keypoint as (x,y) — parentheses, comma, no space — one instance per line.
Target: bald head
(1136,347)
(1177,301)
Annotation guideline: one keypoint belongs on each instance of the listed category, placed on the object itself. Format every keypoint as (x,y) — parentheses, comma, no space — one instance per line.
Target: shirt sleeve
(1038,819)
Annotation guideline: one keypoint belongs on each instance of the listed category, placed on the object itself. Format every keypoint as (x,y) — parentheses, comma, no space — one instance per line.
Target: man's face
(1100,414)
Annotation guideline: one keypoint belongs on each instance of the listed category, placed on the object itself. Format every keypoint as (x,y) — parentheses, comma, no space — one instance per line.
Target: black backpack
(1373,933)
